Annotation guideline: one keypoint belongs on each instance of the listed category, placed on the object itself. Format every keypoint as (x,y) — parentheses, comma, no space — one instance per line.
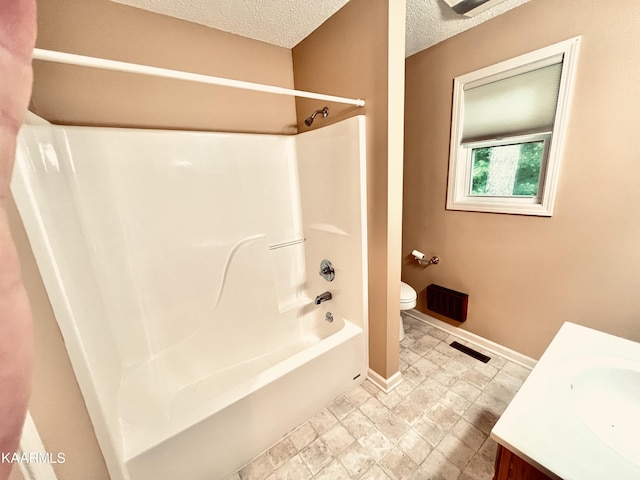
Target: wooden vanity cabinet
(511,467)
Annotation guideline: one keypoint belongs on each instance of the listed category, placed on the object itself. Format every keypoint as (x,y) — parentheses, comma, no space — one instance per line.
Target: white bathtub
(182,269)
(258,407)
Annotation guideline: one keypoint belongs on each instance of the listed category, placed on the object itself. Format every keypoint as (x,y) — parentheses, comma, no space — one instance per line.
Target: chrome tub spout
(323,297)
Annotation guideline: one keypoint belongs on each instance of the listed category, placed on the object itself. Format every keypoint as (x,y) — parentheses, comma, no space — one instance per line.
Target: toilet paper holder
(420,258)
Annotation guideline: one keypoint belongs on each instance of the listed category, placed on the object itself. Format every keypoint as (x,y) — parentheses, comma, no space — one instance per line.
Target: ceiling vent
(471,8)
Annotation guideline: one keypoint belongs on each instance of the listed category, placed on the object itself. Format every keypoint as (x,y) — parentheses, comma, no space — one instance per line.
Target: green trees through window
(507,170)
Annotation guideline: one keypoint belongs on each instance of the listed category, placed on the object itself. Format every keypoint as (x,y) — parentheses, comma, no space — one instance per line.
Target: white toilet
(408,298)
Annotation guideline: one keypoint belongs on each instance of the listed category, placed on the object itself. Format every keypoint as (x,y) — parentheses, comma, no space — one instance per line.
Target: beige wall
(100,28)
(72,95)
(349,55)
(525,275)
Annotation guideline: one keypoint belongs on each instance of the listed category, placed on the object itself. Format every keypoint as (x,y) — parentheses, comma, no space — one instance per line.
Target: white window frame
(460,159)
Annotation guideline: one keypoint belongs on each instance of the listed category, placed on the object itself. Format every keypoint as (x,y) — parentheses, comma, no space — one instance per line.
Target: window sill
(494,206)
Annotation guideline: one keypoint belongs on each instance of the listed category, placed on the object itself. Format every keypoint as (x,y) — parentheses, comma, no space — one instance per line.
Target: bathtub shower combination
(189,274)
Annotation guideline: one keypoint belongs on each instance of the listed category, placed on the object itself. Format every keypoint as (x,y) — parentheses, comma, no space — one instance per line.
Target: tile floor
(434,425)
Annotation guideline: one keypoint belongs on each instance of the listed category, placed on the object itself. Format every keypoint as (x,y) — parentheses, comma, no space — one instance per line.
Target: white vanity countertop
(577,416)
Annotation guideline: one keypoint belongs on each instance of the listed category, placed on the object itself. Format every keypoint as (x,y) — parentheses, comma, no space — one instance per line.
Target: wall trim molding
(385,384)
(477,340)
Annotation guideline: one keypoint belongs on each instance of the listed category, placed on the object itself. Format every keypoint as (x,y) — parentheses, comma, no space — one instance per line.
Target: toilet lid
(407,293)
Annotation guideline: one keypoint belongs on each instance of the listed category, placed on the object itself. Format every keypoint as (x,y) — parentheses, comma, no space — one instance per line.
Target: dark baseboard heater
(447,302)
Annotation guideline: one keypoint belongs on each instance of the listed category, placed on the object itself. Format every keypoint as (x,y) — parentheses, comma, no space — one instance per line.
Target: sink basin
(577,416)
(604,394)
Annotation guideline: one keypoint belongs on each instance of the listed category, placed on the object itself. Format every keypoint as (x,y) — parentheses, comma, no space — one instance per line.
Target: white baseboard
(477,340)
(385,384)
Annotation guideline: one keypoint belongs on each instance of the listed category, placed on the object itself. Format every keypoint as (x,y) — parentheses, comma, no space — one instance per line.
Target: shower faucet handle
(327,270)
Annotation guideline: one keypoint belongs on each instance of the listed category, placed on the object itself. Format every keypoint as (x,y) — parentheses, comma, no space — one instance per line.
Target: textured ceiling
(432,21)
(287,22)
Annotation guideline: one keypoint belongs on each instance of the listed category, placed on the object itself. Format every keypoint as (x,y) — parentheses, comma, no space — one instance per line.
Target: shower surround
(182,268)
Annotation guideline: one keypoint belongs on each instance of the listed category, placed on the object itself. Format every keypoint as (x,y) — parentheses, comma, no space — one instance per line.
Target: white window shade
(521,103)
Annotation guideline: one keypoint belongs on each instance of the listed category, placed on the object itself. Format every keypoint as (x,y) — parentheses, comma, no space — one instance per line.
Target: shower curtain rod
(103,63)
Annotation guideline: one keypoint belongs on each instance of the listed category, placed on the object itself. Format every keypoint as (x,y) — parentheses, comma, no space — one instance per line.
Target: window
(507,131)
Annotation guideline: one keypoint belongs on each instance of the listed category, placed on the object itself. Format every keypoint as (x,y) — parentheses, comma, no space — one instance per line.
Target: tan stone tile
(455,402)
(414,322)
(425,343)
(413,331)
(437,357)
(479,468)
(393,426)
(508,381)
(477,379)
(404,388)
(376,444)
(369,387)
(358,395)
(303,436)
(429,430)
(375,473)
(356,460)
(402,365)
(337,438)
(341,407)
(470,435)
(357,424)
(414,446)
(281,452)
(486,369)
(489,449)
(398,464)
(516,370)
(334,471)
(316,456)
(446,377)
(489,402)
(458,368)
(452,338)
(443,416)
(259,469)
(459,356)
(436,467)
(496,360)
(293,469)
(439,334)
(408,339)
(457,452)
(466,390)
(390,399)
(497,392)
(412,374)
(411,410)
(374,409)
(481,417)
(409,356)
(425,367)
(433,387)
(323,421)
